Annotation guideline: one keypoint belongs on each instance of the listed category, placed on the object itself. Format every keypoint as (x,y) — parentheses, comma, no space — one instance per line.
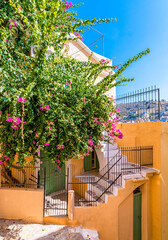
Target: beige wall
(25,204)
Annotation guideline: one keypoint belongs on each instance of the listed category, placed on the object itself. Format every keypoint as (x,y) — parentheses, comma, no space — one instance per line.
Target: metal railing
(91,190)
(26,177)
(140,106)
(101,183)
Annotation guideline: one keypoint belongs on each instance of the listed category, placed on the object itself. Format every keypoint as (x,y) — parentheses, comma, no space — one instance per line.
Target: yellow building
(114,193)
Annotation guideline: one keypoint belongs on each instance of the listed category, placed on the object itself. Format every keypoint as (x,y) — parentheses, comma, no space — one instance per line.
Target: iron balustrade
(16,176)
(140,106)
(90,190)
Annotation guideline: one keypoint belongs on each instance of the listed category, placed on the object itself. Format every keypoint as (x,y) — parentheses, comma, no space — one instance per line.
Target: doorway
(137,202)
(91,162)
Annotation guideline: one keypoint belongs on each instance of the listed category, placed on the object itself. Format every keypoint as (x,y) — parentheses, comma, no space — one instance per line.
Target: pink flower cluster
(103,61)
(116,66)
(46,144)
(68,5)
(21,100)
(12,23)
(5,158)
(78,36)
(60,146)
(90,142)
(16,121)
(45,108)
(120,135)
(68,83)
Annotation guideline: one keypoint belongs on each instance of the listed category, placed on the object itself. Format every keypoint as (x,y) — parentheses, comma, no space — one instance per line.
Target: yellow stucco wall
(25,204)
(152,134)
(125,219)
(77,165)
(106,218)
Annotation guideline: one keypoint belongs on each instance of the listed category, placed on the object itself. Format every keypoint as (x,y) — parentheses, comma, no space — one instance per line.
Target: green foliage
(50,101)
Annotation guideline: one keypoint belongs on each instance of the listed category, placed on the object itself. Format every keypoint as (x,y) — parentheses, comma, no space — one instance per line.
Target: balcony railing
(140,106)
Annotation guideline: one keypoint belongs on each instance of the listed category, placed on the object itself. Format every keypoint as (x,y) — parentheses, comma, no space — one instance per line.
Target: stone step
(107,147)
(83,203)
(104,182)
(91,196)
(111,153)
(98,189)
(116,187)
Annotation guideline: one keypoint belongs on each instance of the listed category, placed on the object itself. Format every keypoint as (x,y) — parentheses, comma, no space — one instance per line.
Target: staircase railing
(87,185)
(92,189)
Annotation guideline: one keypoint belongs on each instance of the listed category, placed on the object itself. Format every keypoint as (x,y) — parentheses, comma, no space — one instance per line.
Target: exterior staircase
(112,176)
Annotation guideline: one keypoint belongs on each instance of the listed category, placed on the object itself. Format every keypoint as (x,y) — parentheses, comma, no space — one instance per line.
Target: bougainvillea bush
(48,100)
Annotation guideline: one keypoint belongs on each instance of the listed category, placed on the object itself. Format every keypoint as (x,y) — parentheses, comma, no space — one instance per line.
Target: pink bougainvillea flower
(47,34)
(2,149)
(68,140)
(68,5)
(102,61)
(5,156)
(90,142)
(9,119)
(62,146)
(116,66)
(41,105)
(58,146)
(15,127)
(6,40)
(34,142)
(46,144)
(47,107)
(118,110)
(41,162)
(15,24)
(10,20)
(1,162)
(84,99)
(6,159)
(10,26)
(20,100)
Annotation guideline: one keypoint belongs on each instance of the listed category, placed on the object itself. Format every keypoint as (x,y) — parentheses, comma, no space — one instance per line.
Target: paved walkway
(18,230)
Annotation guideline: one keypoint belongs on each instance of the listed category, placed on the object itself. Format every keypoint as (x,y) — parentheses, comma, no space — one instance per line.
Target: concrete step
(91,196)
(111,153)
(115,189)
(104,182)
(83,203)
(98,189)
(105,146)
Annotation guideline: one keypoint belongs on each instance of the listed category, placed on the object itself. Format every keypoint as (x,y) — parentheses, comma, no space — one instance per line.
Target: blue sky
(140,25)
